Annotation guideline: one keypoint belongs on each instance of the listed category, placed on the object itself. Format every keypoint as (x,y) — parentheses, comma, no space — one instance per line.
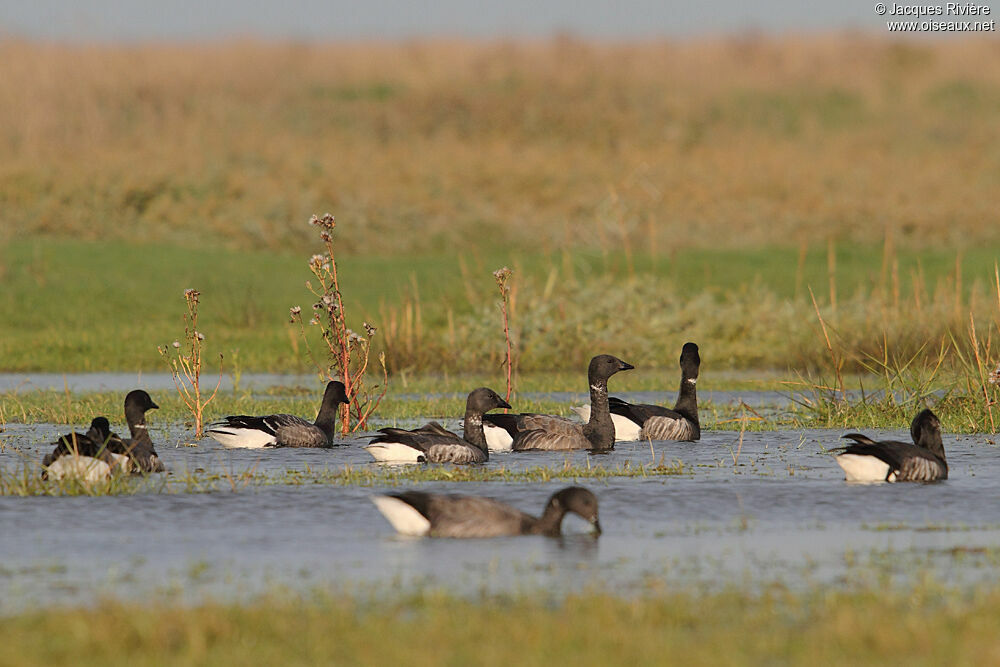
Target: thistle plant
(348,352)
(502,277)
(184,362)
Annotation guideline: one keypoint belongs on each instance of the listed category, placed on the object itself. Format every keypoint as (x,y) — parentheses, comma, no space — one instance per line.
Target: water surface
(780,513)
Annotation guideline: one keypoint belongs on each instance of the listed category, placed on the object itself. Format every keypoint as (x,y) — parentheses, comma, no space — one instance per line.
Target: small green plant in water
(347,351)
(185,369)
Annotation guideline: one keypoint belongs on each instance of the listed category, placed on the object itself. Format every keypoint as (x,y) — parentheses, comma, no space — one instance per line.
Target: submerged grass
(26,480)
(930,625)
(395,475)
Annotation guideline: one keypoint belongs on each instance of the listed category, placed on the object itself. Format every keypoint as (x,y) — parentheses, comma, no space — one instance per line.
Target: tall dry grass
(658,145)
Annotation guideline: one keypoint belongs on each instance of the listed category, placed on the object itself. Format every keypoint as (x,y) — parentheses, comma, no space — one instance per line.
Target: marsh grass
(655,192)
(819,625)
(952,368)
(396,475)
(25,479)
(746,141)
(740,306)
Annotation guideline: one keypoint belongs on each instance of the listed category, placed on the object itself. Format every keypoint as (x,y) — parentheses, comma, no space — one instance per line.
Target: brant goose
(433,443)
(98,453)
(655,422)
(139,448)
(548,432)
(439,515)
(894,461)
(282,430)
(84,456)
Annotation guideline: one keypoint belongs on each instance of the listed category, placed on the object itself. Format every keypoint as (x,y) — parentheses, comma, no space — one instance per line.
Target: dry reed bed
(535,144)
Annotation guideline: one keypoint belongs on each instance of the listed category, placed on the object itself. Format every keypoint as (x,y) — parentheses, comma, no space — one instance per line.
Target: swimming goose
(655,422)
(434,444)
(139,448)
(282,430)
(549,432)
(438,515)
(84,456)
(894,461)
(98,453)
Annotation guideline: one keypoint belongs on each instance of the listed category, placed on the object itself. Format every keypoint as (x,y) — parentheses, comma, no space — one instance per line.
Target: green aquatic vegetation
(25,480)
(386,475)
(926,528)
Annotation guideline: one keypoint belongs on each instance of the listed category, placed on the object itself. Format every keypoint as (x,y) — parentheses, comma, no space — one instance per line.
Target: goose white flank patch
(498,439)
(82,456)
(82,468)
(893,461)
(282,430)
(625,428)
(655,422)
(549,432)
(449,515)
(865,468)
(403,516)
(433,443)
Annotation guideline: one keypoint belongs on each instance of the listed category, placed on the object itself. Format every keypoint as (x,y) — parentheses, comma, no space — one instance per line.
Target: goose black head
(580,501)
(690,361)
(484,399)
(604,366)
(100,429)
(925,429)
(335,394)
(139,399)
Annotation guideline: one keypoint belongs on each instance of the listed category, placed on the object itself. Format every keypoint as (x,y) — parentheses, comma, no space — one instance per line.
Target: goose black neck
(135,416)
(600,430)
(550,523)
(687,399)
(326,420)
(931,441)
(473,433)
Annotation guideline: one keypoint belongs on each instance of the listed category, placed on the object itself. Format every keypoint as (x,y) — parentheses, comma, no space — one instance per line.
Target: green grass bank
(929,626)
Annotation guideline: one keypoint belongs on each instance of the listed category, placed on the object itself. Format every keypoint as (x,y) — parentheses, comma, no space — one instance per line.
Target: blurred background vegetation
(645,194)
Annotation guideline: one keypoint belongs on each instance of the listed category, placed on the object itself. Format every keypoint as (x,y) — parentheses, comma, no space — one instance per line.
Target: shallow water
(782,514)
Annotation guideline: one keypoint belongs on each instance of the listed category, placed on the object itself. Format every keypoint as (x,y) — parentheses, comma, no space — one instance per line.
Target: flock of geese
(99,453)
